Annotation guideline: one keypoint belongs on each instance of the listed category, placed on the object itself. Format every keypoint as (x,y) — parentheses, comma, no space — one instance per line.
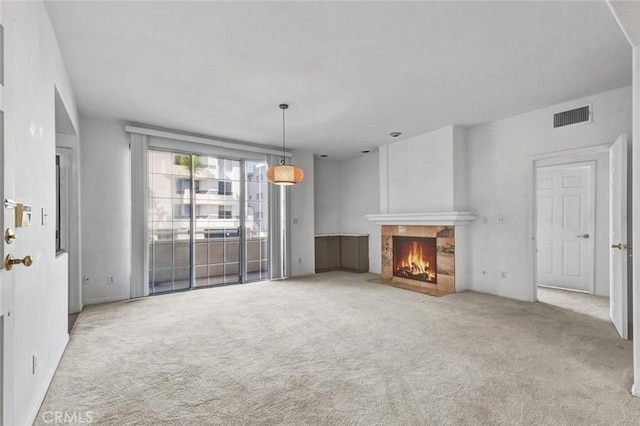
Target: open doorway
(571,230)
(67,214)
(576,206)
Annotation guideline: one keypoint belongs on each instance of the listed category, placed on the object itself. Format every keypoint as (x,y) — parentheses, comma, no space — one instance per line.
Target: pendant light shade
(284,174)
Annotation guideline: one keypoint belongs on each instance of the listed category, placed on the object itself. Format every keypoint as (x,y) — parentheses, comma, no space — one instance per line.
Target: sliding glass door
(256,219)
(207,221)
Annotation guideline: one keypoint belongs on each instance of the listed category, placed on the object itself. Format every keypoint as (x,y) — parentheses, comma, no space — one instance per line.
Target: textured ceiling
(352,71)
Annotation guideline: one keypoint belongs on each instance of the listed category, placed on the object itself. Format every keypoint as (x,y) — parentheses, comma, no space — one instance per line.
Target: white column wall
(106,210)
(359,195)
(301,218)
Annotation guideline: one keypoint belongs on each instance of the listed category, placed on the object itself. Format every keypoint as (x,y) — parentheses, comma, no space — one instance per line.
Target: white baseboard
(484,289)
(635,391)
(43,391)
(107,299)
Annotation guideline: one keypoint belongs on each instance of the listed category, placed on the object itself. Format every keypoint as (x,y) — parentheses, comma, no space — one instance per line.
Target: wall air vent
(574,116)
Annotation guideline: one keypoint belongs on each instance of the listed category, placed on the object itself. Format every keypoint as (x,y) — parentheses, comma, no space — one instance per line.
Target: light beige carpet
(334,349)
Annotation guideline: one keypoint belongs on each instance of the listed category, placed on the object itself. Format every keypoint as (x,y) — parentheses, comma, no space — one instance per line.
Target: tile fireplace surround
(445,258)
(452,245)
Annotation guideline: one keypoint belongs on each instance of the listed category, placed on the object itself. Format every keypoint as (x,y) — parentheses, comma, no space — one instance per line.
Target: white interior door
(565,226)
(7,186)
(618,236)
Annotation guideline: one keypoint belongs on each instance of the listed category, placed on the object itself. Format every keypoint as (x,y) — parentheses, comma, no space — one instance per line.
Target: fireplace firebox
(408,249)
(415,258)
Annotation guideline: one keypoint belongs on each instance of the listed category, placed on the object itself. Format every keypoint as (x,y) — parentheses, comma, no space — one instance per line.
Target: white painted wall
(425,173)
(498,157)
(106,210)
(34,67)
(460,168)
(420,173)
(359,195)
(301,218)
(327,189)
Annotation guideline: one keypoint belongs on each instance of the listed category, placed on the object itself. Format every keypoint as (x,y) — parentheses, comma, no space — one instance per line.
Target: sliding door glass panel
(206,189)
(169,222)
(217,221)
(256,221)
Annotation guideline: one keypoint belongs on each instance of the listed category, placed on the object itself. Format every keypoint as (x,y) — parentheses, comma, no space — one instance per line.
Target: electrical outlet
(111,280)
(501,219)
(503,275)
(34,364)
(295,220)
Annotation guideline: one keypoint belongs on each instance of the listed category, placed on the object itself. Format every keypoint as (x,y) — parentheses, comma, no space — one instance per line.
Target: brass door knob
(585,236)
(9,261)
(619,246)
(9,235)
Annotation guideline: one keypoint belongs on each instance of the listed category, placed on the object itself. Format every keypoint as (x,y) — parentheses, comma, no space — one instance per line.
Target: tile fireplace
(425,252)
(420,258)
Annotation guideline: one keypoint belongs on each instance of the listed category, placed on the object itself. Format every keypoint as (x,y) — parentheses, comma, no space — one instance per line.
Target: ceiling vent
(574,116)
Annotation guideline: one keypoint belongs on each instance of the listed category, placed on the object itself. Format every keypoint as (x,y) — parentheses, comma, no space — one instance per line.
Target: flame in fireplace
(414,263)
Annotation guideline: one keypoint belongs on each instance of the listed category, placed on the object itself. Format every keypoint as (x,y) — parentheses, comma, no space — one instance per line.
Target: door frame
(535,161)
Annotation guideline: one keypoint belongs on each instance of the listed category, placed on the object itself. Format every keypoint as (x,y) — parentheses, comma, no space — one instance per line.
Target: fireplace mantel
(428,219)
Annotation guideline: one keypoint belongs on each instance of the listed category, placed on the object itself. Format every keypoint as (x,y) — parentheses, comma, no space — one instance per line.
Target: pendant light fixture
(284,174)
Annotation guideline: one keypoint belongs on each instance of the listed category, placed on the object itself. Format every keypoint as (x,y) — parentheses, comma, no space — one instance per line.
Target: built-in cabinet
(349,252)
(327,253)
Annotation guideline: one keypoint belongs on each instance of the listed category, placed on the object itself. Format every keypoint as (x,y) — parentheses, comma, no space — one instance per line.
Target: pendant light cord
(282,161)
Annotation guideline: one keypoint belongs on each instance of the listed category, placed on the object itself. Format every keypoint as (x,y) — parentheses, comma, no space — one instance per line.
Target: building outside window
(224,188)
(224,212)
